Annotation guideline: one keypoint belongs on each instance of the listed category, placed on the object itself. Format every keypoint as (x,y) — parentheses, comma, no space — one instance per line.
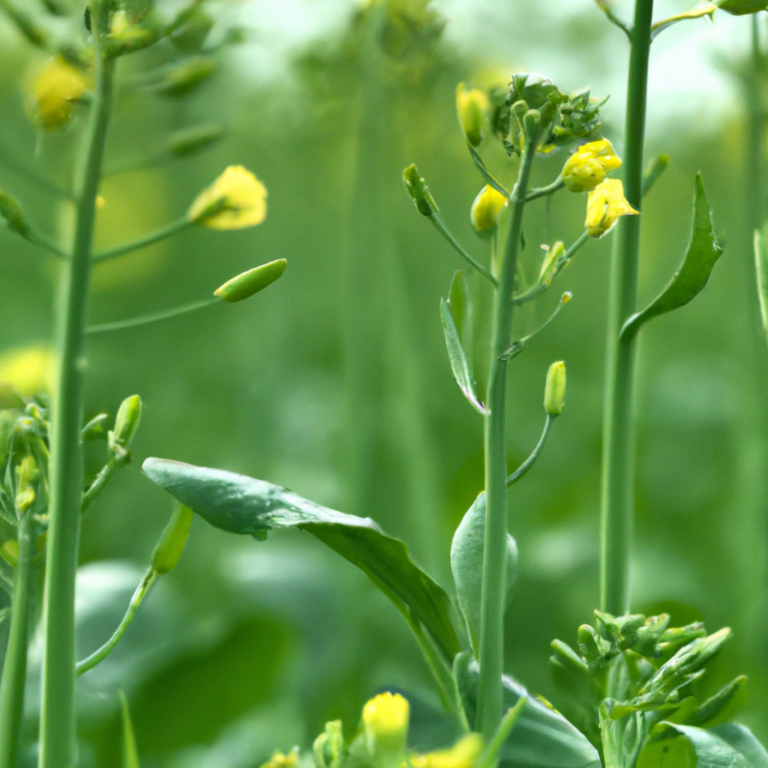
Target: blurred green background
(335,381)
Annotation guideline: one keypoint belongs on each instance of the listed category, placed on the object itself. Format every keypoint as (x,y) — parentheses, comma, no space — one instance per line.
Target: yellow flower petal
(237,199)
(55,92)
(486,208)
(462,755)
(604,206)
(588,166)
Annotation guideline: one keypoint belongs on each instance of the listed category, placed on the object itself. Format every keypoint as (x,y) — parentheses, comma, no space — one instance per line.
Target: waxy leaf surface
(693,274)
(244,505)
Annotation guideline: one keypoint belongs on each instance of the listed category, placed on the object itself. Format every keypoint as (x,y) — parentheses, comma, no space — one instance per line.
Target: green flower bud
(742,7)
(191,36)
(180,80)
(550,262)
(11,211)
(385,724)
(419,192)
(535,90)
(487,208)
(329,747)
(472,107)
(27,474)
(590,645)
(168,550)
(254,280)
(127,421)
(554,389)
(190,140)
(532,124)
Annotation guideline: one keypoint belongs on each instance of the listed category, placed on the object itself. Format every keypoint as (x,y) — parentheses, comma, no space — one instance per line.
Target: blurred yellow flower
(588,166)
(236,200)
(55,91)
(28,370)
(462,755)
(605,204)
(486,208)
(472,106)
(281,760)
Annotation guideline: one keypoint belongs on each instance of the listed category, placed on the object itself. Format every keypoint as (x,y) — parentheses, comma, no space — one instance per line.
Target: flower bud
(742,7)
(606,202)
(237,199)
(180,80)
(550,262)
(419,192)
(29,370)
(535,90)
(532,124)
(9,551)
(554,389)
(171,545)
(462,754)
(26,474)
(486,209)
(11,211)
(385,724)
(329,747)
(472,107)
(55,92)
(192,34)
(127,421)
(591,647)
(588,166)
(190,140)
(254,280)
(281,760)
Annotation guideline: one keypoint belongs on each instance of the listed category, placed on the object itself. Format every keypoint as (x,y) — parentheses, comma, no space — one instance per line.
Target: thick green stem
(618,424)
(495,550)
(15,667)
(58,723)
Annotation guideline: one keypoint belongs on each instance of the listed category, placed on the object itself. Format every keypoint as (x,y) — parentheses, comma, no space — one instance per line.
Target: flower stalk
(618,420)
(57,726)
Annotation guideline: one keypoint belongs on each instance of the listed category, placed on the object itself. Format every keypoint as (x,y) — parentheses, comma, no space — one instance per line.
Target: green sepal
(467,550)
(244,505)
(460,364)
(703,252)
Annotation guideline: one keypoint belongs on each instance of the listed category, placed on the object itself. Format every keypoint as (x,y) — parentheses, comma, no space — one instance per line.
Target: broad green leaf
(705,748)
(467,565)
(460,304)
(541,738)
(744,742)
(130,750)
(693,274)
(244,505)
(761,266)
(460,365)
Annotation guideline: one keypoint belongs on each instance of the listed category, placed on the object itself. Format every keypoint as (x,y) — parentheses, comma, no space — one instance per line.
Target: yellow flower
(280,760)
(385,722)
(462,755)
(588,166)
(472,106)
(486,209)
(605,204)
(237,199)
(54,93)
(29,370)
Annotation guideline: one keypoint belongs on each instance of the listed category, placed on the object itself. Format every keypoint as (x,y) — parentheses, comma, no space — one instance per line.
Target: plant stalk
(58,720)
(15,666)
(489,710)
(618,419)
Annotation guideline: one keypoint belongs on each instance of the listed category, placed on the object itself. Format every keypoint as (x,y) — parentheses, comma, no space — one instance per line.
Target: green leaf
(693,274)
(744,742)
(460,365)
(460,304)
(467,565)
(541,738)
(244,505)
(761,266)
(130,750)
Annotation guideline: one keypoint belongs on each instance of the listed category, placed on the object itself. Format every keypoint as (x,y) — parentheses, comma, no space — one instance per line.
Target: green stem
(550,189)
(57,723)
(142,242)
(531,460)
(443,230)
(15,667)
(755,200)
(495,547)
(39,239)
(618,419)
(98,656)
(100,483)
(154,317)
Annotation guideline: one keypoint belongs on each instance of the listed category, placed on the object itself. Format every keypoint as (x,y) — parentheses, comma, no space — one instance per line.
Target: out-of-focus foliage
(335,384)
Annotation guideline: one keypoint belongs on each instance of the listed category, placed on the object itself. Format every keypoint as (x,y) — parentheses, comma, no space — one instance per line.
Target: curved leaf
(460,365)
(703,252)
(244,505)
(761,266)
(467,552)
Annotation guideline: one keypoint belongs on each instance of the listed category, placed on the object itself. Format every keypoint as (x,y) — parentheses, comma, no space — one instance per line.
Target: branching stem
(142,242)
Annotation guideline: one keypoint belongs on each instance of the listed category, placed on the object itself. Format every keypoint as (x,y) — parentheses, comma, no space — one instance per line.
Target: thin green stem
(485,173)
(154,317)
(100,483)
(755,199)
(531,460)
(98,656)
(443,230)
(39,239)
(618,418)
(550,189)
(142,242)
(15,666)
(57,722)
(7,158)
(490,756)
(495,545)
